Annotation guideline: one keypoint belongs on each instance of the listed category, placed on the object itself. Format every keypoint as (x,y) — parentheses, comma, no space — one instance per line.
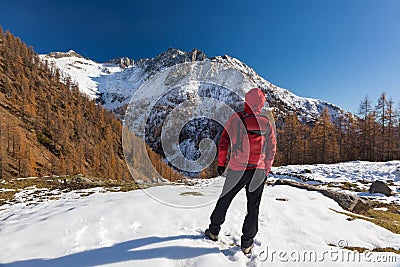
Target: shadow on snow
(125,251)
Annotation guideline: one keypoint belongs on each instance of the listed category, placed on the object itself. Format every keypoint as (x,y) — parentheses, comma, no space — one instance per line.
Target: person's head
(254,101)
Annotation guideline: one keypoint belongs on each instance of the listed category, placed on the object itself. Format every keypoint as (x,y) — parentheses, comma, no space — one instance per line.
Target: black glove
(220,170)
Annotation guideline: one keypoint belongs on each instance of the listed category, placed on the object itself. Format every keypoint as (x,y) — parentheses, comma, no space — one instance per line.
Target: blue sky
(335,50)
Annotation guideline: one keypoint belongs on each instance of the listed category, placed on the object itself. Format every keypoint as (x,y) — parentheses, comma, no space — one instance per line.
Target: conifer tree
(364,113)
(391,122)
(396,135)
(323,139)
(382,118)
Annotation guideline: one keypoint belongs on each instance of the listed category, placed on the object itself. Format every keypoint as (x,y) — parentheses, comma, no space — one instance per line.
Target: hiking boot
(247,250)
(210,235)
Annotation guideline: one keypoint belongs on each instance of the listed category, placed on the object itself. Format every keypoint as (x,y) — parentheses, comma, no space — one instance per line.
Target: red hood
(254,101)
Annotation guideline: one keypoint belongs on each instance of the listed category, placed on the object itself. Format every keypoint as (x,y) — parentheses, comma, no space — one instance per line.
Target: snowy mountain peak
(114,82)
(113,86)
(170,58)
(70,53)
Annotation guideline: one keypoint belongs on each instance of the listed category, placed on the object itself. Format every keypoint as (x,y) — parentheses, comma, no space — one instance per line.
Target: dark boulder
(380,187)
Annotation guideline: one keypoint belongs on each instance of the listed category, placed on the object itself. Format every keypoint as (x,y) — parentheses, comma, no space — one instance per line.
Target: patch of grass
(86,194)
(269,183)
(346,186)
(362,249)
(5,196)
(389,219)
(193,193)
(351,187)
(386,250)
(390,183)
(121,186)
(331,185)
(61,184)
(390,207)
(386,219)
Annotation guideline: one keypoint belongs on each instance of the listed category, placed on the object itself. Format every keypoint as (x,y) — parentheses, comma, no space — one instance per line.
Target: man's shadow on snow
(121,252)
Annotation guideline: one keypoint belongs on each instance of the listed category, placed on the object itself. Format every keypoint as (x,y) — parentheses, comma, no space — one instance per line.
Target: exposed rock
(140,182)
(114,89)
(348,202)
(155,180)
(82,180)
(169,58)
(303,175)
(123,62)
(70,53)
(296,184)
(158,181)
(188,182)
(282,100)
(198,55)
(380,187)
(164,180)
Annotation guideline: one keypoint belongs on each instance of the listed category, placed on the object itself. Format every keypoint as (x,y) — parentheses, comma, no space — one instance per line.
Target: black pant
(253,180)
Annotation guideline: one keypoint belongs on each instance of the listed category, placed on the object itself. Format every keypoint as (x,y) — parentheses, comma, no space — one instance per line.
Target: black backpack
(238,146)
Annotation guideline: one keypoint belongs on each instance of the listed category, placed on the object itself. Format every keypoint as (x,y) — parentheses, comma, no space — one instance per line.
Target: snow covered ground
(133,229)
(359,173)
(352,171)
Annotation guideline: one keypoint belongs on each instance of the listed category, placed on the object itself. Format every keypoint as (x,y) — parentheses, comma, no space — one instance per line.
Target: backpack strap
(258,132)
(238,146)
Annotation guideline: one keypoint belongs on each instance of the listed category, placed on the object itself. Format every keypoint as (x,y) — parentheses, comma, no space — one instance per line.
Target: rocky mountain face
(114,83)
(70,53)
(122,62)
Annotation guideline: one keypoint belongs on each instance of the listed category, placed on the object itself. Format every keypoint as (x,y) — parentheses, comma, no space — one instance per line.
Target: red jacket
(256,151)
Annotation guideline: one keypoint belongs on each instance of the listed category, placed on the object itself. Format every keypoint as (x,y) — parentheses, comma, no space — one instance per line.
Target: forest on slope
(50,128)
(371,135)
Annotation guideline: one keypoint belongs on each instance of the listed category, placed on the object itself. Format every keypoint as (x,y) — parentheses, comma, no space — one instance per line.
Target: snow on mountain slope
(111,83)
(114,84)
(82,71)
(132,229)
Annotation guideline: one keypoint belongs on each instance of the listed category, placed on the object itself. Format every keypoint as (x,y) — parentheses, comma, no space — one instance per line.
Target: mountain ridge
(113,83)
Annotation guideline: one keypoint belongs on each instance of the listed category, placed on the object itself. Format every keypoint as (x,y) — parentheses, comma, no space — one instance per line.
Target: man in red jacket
(250,137)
